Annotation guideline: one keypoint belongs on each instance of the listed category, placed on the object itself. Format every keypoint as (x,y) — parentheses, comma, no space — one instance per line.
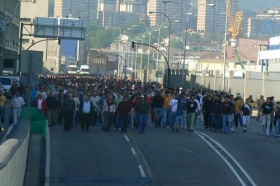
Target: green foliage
(177,44)
(101,37)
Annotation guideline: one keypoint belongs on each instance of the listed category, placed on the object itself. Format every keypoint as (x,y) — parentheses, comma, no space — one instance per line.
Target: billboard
(59,28)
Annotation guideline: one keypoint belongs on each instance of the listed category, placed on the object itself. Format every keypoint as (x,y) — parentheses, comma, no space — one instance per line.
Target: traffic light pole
(167,62)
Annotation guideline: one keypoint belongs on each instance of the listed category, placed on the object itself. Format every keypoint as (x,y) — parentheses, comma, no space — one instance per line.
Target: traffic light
(132,44)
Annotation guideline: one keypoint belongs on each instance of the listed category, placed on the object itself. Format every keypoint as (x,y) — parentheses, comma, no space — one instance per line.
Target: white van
(6,84)
(73,69)
(84,69)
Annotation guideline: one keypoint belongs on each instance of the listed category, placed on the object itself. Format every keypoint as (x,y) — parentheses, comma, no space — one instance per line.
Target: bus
(73,69)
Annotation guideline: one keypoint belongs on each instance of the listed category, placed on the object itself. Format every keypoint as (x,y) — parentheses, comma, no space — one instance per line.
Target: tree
(177,44)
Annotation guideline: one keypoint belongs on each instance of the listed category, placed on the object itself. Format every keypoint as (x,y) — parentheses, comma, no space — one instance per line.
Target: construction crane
(234,29)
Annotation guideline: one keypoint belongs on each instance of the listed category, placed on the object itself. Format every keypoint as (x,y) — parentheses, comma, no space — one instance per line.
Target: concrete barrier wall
(256,84)
(13,155)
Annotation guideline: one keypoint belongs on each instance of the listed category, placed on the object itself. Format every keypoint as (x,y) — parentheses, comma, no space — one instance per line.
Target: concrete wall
(250,84)
(13,155)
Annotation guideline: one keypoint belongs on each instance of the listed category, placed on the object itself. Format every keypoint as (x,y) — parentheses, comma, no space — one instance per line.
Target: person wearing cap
(237,117)
(157,104)
(143,109)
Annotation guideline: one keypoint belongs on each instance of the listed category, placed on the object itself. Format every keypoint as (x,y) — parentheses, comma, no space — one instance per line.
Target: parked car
(6,84)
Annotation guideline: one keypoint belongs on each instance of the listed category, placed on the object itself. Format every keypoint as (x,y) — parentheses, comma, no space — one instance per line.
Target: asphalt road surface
(7,127)
(161,157)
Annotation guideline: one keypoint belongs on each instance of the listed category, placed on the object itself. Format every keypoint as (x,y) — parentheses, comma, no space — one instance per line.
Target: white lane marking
(133,151)
(142,171)
(232,158)
(48,156)
(225,160)
(125,136)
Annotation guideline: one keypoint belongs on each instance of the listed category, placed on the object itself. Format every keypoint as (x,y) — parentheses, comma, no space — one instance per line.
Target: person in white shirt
(94,99)
(86,108)
(17,104)
(173,104)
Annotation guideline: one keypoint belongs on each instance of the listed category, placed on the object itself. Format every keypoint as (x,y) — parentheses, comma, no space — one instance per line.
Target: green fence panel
(37,119)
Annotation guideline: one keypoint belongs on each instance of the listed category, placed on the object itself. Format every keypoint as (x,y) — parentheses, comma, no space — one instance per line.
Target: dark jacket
(216,107)
(52,103)
(157,101)
(69,105)
(206,106)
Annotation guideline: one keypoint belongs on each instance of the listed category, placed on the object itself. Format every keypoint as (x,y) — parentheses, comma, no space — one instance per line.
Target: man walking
(227,109)
(143,108)
(191,109)
(17,104)
(68,110)
(86,109)
(158,111)
(267,108)
(124,110)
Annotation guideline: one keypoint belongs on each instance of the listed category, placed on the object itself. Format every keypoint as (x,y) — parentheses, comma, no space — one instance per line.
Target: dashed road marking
(127,139)
(142,171)
(133,151)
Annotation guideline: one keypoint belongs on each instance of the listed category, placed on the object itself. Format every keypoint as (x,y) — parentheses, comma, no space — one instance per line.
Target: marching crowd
(109,101)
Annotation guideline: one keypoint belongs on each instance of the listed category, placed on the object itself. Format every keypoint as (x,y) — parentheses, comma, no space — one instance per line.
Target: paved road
(162,157)
(6,123)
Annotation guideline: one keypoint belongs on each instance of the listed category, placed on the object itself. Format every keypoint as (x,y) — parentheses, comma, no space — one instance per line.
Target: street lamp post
(225,49)
(168,50)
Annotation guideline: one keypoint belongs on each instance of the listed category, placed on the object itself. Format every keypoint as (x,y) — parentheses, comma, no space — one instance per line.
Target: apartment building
(83,9)
(50,48)
(212,19)
(9,34)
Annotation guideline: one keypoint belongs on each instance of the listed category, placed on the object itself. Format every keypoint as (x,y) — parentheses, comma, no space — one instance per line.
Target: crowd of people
(111,102)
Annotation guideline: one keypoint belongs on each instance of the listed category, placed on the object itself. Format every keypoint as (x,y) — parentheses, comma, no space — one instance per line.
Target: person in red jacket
(124,111)
(41,104)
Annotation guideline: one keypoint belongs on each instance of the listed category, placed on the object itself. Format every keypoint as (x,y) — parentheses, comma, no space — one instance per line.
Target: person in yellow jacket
(166,108)
(237,116)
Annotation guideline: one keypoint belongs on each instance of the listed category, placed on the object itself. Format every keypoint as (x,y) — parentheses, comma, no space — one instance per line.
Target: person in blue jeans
(227,109)
(157,105)
(216,113)
(143,108)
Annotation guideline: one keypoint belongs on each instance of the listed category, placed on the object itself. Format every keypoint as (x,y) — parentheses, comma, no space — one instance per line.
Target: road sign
(7,19)
(46,27)
(2,26)
(59,28)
